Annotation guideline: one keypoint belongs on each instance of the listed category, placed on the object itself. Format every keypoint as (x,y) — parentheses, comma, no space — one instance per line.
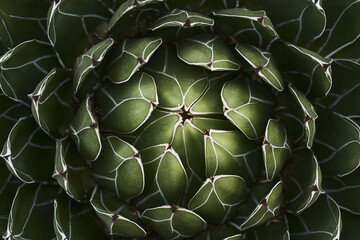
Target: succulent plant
(168,119)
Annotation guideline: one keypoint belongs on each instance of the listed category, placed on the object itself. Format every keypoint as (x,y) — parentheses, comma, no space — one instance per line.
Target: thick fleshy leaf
(11,111)
(297,21)
(341,36)
(350,224)
(71,218)
(245,26)
(85,132)
(205,6)
(125,107)
(303,182)
(27,146)
(130,13)
(263,63)
(345,89)
(218,197)
(32,207)
(119,168)
(276,230)
(337,143)
(23,67)
(116,216)
(344,190)
(307,70)
(166,178)
(298,115)
(90,60)
(52,103)
(208,51)
(68,14)
(215,232)
(247,105)
(19,23)
(182,18)
(276,148)
(173,222)
(8,187)
(72,174)
(131,55)
(321,221)
(268,208)
(231,152)
(179,84)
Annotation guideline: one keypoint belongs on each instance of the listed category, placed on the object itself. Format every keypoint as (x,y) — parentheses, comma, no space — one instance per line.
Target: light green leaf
(27,146)
(126,107)
(218,197)
(247,105)
(85,132)
(276,148)
(119,168)
(173,222)
(52,103)
(208,51)
(131,55)
(90,60)
(115,215)
(263,63)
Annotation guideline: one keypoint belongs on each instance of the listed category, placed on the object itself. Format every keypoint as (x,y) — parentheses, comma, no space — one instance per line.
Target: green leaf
(69,14)
(297,21)
(305,69)
(131,55)
(276,148)
(90,60)
(115,215)
(32,207)
(298,115)
(136,97)
(205,6)
(166,178)
(321,221)
(245,26)
(247,105)
(22,68)
(341,36)
(71,218)
(8,187)
(133,14)
(337,143)
(208,51)
(182,18)
(263,63)
(27,146)
(276,229)
(11,111)
(173,222)
(350,223)
(179,84)
(22,21)
(85,132)
(72,174)
(231,152)
(218,197)
(303,182)
(268,208)
(119,168)
(52,103)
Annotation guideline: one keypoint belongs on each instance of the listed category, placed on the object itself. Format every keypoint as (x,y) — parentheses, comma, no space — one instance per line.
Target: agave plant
(168,119)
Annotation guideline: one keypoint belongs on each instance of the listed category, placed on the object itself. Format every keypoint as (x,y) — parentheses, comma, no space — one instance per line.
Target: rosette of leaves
(167,119)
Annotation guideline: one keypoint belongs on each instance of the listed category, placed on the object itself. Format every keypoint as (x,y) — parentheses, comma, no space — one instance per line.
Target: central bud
(184,114)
